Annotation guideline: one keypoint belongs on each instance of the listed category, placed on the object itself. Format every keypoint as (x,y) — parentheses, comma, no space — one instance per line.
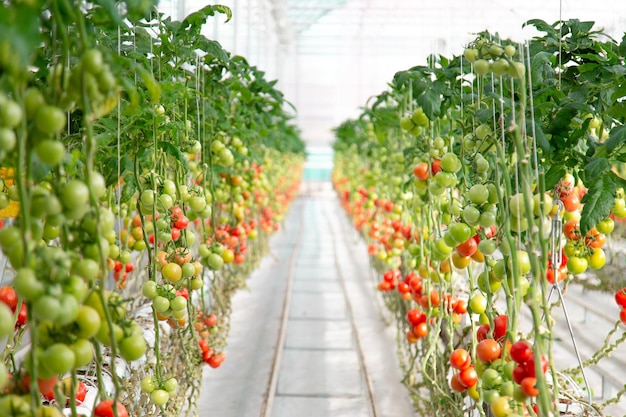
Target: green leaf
(598,202)
(213,49)
(197,19)
(554,175)
(541,26)
(174,152)
(431,103)
(596,167)
(616,137)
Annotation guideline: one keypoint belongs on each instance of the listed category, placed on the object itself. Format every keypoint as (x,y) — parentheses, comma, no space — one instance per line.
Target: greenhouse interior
(312,208)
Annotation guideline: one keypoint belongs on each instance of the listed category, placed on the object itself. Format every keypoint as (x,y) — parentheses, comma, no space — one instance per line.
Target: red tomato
(105,409)
(521,351)
(468,377)
(215,361)
(620,297)
(622,315)
(8,297)
(483,332)
(530,366)
(519,373)
(415,316)
(22,316)
(500,323)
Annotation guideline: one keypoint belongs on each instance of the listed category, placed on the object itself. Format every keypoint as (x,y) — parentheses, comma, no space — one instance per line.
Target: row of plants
(143,170)
(483,184)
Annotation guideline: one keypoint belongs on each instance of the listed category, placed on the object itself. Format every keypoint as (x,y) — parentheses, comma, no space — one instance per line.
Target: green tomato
(69,309)
(481,67)
(50,151)
(471,54)
(214,261)
(490,395)
(148,384)
(606,226)
(471,215)
(27,285)
(88,322)
(459,233)
(165,201)
(171,385)
(446,179)
(169,188)
(49,120)
(132,347)
(83,352)
(8,139)
(196,283)
(478,304)
(450,162)
(47,307)
(487,246)
(197,204)
(159,397)
(179,303)
(161,304)
(500,67)
(33,100)
(478,194)
(147,198)
(87,269)
(150,289)
(491,378)
(58,358)
(10,113)
(75,194)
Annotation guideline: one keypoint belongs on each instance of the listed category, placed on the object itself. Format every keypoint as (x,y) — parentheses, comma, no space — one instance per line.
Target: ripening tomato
(460,359)
(455,384)
(421,330)
(421,171)
(488,350)
(467,248)
(528,387)
(571,202)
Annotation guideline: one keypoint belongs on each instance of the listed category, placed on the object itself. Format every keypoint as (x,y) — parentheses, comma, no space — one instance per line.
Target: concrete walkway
(308,340)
